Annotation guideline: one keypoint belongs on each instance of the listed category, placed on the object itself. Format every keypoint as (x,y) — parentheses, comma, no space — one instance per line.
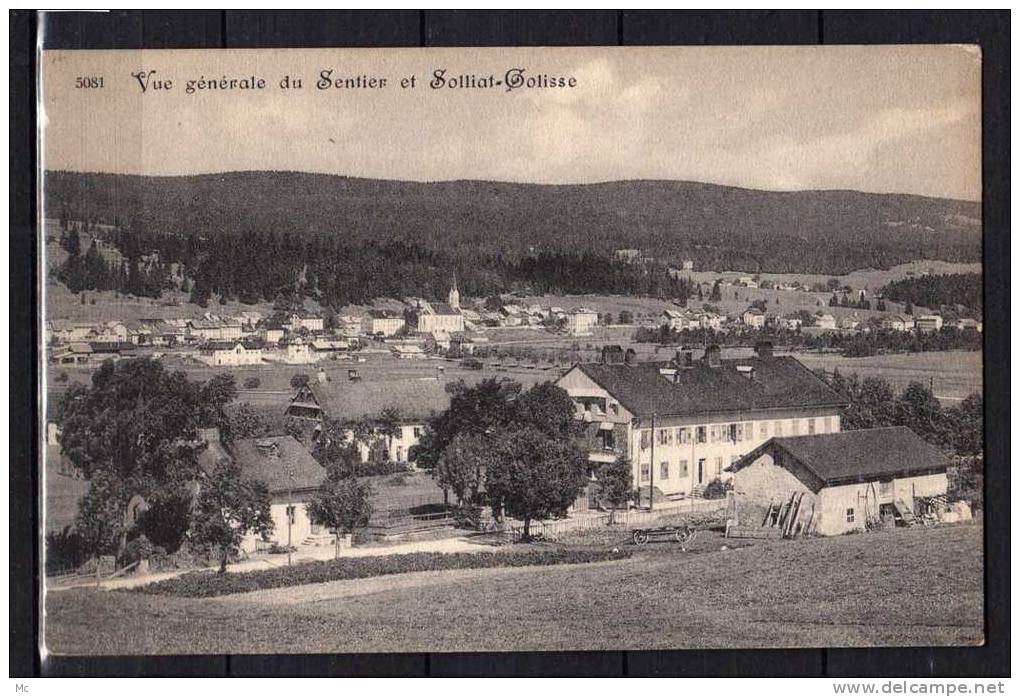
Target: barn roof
(281,462)
(857,455)
(777,382)
(413,400)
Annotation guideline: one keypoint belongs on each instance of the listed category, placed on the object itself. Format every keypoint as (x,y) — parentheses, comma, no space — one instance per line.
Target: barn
(834,483)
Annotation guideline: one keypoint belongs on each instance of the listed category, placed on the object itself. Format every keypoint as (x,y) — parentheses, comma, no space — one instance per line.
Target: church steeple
(454,296)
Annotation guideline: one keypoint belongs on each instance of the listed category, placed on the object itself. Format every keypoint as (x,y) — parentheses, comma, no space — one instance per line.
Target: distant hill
(719,227)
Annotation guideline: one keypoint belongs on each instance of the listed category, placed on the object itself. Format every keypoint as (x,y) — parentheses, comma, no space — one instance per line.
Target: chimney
(763,349)
(713,356)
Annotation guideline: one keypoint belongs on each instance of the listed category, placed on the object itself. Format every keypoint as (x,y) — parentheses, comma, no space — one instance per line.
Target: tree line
(938,290)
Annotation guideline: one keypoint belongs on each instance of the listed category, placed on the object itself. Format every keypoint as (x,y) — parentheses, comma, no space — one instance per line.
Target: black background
(123,29)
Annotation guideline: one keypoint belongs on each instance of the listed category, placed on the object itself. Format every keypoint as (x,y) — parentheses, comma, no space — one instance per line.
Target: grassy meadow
(903,587)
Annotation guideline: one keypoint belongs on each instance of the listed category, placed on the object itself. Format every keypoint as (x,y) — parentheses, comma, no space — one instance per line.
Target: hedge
(207,585)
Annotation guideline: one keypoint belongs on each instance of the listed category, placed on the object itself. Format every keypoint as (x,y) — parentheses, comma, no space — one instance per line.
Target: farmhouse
(384,322)
(307,321)
(899,323)
(929,323)
(753,317)
(581,321)
(231,353)
(409,402)
(292,475)
(823,320)
(842,482)
(214,329)
(681,422)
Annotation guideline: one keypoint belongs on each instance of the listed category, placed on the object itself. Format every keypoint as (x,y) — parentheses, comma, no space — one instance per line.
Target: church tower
(454,297)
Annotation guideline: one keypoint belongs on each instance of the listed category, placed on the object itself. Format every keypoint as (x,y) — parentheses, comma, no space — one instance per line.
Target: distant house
(214,329)
(842,482)
(753,317)
(967,323)
(308,321)
(688,265)
(384,322)
(849,322)
(231,353)
(413,401)
(407,351)
(350,325)
(899,323)
(65,331)
(74,353)
(928,323)
(581,322)
(628,255)
(271,332)
(823,320)
(791,322)
(674,319)
(299,351)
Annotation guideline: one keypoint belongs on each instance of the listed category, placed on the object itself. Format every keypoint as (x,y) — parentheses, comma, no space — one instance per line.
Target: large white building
(231,353)
(681,423)
(581,322)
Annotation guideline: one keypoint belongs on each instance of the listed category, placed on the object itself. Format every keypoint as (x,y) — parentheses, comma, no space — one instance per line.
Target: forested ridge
(347,239)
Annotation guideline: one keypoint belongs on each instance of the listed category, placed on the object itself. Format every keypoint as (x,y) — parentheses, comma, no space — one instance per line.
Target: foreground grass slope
(902,587)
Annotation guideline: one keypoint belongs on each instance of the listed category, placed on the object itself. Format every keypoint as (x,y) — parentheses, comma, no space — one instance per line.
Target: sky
(889,119)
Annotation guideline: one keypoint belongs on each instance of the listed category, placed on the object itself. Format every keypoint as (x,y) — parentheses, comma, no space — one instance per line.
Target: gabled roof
(281,462)
(414,400)
(778,382)
(861,455)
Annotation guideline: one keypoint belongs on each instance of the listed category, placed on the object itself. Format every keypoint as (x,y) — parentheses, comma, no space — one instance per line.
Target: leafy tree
(230,506)
(627,317)
(99,521)
(920,410)
(299,380)
(531,476)
(167,519)
(614,484)
(137,423)
(716,294)
(342,504)
(462,466)
(967,420)
(246,422)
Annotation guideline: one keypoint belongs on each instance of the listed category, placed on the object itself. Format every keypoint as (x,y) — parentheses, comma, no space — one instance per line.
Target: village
(700,433)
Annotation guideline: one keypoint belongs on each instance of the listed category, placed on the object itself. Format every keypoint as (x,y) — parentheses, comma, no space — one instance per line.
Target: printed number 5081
(88,83)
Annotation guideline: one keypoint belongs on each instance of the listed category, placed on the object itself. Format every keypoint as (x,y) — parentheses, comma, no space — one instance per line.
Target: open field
(904,587)
(952,374)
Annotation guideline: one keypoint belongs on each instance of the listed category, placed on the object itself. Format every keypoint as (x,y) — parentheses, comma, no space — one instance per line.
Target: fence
(628,519)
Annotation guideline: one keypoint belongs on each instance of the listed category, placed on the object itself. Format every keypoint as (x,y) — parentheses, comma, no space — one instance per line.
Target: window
(664,436)
(615,408)
(849,515)
(290,513)
(683,435)
(417,432)
(811,427)
(683,468)
(607,439)
(734,432)
(664,470)
(718,466)
(763,429)
(885,488)
(779,428)
(646,470)
(646,439)
(701,434)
